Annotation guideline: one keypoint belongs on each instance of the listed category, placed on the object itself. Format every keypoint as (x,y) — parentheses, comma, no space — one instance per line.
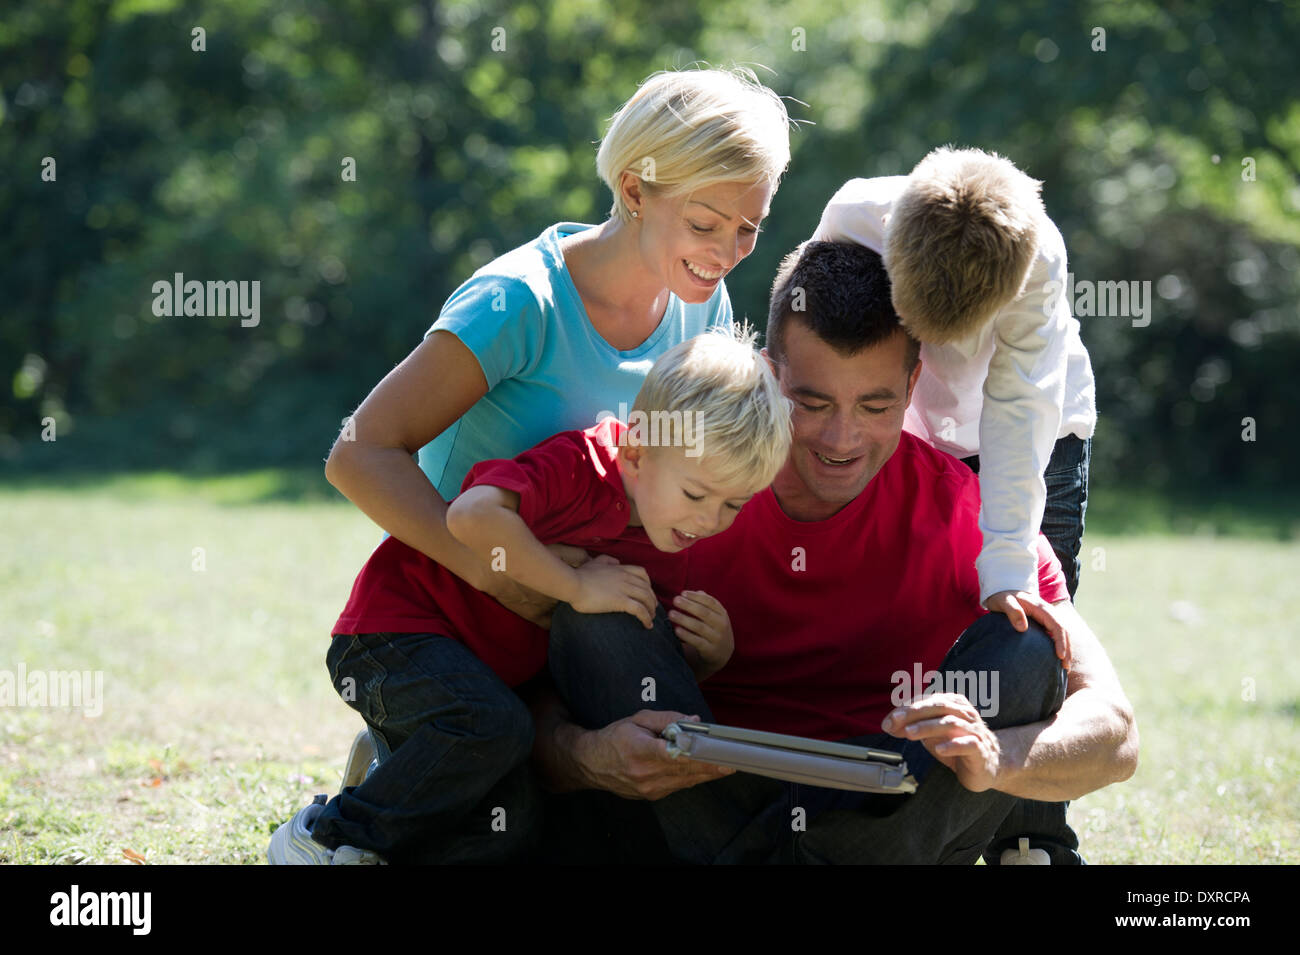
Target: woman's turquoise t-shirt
(547,368)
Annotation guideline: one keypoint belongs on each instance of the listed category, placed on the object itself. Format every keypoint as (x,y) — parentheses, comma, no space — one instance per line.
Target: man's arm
(1091,742)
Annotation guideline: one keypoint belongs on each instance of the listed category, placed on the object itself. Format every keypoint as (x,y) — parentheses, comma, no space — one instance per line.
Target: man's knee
(572,632)
(572,625)
(993,636)
(608,666)
(611,643)
(1018,672)
(580,633)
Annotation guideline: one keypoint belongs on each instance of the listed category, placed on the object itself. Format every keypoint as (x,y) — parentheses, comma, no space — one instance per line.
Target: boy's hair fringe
(742,419)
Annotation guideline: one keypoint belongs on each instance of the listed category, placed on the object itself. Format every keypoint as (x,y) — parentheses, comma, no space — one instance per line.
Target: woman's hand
(520,600)
(525,601)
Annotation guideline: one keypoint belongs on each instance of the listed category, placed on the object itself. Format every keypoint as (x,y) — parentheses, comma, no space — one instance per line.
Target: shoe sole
(359,759)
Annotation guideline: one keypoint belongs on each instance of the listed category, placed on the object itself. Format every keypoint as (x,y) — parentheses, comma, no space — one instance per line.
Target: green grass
(1236,512)
(218,717)
(219,721)
(1202,632)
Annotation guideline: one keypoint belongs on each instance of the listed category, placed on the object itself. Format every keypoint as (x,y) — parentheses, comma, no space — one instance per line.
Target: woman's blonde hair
(690,129)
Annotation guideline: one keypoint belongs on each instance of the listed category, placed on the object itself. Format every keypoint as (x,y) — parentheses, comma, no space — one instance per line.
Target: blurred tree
(473,126)
(1168,137)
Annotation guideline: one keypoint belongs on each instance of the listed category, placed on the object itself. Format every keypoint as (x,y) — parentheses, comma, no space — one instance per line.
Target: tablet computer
(793,758)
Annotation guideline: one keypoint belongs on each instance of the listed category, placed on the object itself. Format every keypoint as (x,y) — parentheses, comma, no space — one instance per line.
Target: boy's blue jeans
(1066,478)
(598,662)
(452,784)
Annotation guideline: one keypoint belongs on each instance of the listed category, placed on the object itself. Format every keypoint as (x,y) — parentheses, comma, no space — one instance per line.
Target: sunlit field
(207,606)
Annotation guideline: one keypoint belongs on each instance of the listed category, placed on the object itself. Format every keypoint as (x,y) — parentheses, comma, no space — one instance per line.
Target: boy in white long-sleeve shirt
(977,269)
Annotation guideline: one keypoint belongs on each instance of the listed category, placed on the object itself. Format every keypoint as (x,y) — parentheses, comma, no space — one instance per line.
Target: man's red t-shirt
(826,612)
(570,492)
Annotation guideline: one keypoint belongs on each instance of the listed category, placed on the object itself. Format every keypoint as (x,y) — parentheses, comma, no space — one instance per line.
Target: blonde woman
(549,334)
(544,338)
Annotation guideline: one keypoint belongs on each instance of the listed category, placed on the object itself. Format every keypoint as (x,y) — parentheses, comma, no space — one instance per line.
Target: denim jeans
(599,663)
(454,785)
(1066,478)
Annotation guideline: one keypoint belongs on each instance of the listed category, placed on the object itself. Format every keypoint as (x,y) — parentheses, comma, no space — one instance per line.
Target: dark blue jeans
(454,785)
(1066,478)
(599,663)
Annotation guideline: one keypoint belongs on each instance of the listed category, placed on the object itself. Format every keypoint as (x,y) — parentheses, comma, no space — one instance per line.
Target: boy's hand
(1016,604)
(702,623)
(606,586)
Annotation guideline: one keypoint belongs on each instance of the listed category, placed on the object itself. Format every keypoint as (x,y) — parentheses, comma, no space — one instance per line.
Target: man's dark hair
(844,293)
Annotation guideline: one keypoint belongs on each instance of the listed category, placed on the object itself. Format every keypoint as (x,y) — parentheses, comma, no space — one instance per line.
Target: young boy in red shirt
(429,662)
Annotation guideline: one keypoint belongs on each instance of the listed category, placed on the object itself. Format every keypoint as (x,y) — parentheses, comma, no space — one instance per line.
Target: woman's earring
(635,213)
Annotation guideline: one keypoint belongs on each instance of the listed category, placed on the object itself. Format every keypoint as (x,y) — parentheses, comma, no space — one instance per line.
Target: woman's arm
(372,463)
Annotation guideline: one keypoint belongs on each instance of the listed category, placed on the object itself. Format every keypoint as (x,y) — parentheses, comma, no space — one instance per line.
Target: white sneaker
(1025,855)
(292,843)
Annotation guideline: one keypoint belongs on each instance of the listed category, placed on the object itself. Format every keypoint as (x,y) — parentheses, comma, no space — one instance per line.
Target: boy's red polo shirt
(570,492)
(825,612)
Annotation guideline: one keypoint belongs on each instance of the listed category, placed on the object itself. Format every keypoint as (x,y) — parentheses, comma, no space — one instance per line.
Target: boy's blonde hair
(688,130)
(741,419)
(960,241)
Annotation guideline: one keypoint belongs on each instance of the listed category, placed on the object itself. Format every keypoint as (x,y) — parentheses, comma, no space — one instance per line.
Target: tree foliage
(1169,155)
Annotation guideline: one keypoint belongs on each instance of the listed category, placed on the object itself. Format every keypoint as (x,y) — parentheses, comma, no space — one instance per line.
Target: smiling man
(855,566)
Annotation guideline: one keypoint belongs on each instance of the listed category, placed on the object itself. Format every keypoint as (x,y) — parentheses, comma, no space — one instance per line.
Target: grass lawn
(207,603)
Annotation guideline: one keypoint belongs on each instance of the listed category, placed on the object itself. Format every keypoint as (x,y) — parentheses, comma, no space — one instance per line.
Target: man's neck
(798,503)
